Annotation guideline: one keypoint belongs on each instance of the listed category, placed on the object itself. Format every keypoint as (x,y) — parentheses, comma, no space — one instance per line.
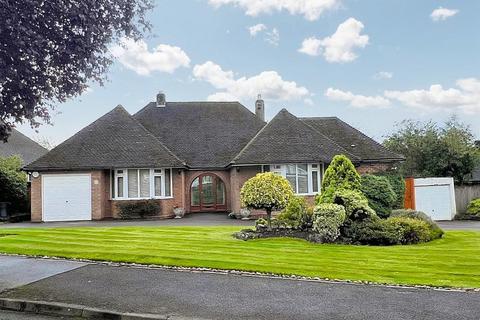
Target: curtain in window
(132,183)
(168,192)
(144,183)
(292,176)
(302,178)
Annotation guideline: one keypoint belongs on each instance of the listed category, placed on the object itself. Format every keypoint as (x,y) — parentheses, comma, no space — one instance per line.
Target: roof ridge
(158,140)
(331,140)
(119,106)
(364,135)
(254,137)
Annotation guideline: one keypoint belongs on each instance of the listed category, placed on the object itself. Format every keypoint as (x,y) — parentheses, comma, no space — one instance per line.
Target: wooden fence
(464,194)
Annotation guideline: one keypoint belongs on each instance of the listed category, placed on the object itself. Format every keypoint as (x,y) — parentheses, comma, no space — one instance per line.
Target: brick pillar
(36,199)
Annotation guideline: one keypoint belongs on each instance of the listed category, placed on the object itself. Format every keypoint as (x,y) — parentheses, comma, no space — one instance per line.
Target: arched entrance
(207,194)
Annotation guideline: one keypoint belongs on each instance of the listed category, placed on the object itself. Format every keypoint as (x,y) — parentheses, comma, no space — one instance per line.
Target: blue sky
(372,63)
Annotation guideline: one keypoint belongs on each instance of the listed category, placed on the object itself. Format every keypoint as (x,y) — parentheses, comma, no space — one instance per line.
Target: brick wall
(238,176)
(36,199)
(364,168)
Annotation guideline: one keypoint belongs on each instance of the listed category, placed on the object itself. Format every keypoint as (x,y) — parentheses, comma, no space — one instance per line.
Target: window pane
(220,192)
(132,183)
(302,178)
(207,190)
(120,187)
(168,193)
(315,181)
(292,176)
(266,168)
(145,183)
(195,192)
(158,186)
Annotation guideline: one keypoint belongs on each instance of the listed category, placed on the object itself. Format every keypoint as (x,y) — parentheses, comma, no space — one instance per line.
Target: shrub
(355,203)
(138,209)
(474,207)
(435,231)
(379,193)
(13,184)
(412,230)
(398,185)
(266,191)
(295,213)
(327,219)
(340,175)
(372,231)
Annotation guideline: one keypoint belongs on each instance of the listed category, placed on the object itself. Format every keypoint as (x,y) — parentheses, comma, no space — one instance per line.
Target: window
(142,183)
(304,178)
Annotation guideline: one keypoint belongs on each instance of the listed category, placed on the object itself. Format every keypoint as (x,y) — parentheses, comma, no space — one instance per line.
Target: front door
(207,193)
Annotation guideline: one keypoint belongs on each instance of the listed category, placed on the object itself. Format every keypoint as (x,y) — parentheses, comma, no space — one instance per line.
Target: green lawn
(451,261)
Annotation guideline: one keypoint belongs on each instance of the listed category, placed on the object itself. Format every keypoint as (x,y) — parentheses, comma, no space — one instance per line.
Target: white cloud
(135,56)
(441,14)
(356,100)
(256,29)
(267,83)
(466,97)
(311,46)
(382,75)
(339,47)
(310,9)
(273,37)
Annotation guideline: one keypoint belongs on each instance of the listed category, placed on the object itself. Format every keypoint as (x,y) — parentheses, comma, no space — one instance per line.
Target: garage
(435,197)
(66,197)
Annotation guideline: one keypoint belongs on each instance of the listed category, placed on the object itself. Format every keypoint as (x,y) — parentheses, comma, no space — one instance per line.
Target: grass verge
(453,261)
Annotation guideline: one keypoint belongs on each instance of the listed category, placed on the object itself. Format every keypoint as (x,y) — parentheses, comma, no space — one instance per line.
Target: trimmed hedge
(296,214)
(379,193)
(327,219)
(435,231)
(397,182)
(138,209)
(371,231)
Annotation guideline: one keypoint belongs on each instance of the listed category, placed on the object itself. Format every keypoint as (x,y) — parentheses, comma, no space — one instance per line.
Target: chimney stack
(260,108)
(161,100)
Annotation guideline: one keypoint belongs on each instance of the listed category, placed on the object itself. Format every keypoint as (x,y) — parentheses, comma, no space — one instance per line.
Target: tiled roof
(115,140)
(21,145)
(288,139)
(351,139)
(205,134)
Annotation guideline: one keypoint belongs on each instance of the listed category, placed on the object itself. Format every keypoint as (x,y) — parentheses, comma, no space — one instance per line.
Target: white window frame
(281,169)
(152,175)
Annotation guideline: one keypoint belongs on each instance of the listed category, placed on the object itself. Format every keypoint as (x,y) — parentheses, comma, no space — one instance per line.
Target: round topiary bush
(327,219)
(266,191)
(474,207)
(435,231)
(340,175)
(412,230)
(379,193)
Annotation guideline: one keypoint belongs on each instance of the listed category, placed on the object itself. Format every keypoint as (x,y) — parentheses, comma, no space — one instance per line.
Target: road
(226,296)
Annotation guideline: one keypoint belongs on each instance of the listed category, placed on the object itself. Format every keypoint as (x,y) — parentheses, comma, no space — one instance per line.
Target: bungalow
(194,155)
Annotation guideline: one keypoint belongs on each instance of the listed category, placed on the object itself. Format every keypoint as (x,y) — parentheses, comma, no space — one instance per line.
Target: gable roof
(351,139)
(20,145)
(288,139)
(204,134)
(115,140)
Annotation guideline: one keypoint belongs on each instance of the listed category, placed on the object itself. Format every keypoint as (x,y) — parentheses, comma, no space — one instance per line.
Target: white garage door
(435,197)
(66,197)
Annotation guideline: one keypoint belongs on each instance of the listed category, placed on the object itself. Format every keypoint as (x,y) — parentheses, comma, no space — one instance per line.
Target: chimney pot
(161,99)
(260,108)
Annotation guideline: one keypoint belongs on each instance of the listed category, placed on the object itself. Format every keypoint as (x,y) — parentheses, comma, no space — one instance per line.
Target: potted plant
(245,213)
(179,212)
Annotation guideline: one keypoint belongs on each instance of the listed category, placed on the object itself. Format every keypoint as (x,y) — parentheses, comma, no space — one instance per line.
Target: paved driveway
(195,219)
(17,271)
(459,225)
(222,296)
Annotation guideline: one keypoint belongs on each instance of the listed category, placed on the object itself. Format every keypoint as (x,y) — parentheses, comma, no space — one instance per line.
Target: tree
(380,194)
(266,191)
(432,150)
(51,50)
(340,175)
(13,183)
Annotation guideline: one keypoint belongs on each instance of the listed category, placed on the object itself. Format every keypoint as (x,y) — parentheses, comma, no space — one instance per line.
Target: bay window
(304,178)
(142,183)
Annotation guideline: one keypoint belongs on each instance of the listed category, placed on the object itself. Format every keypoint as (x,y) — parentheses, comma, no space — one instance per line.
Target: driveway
(195,219)
(225,296)
(459,225)
(18,271)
